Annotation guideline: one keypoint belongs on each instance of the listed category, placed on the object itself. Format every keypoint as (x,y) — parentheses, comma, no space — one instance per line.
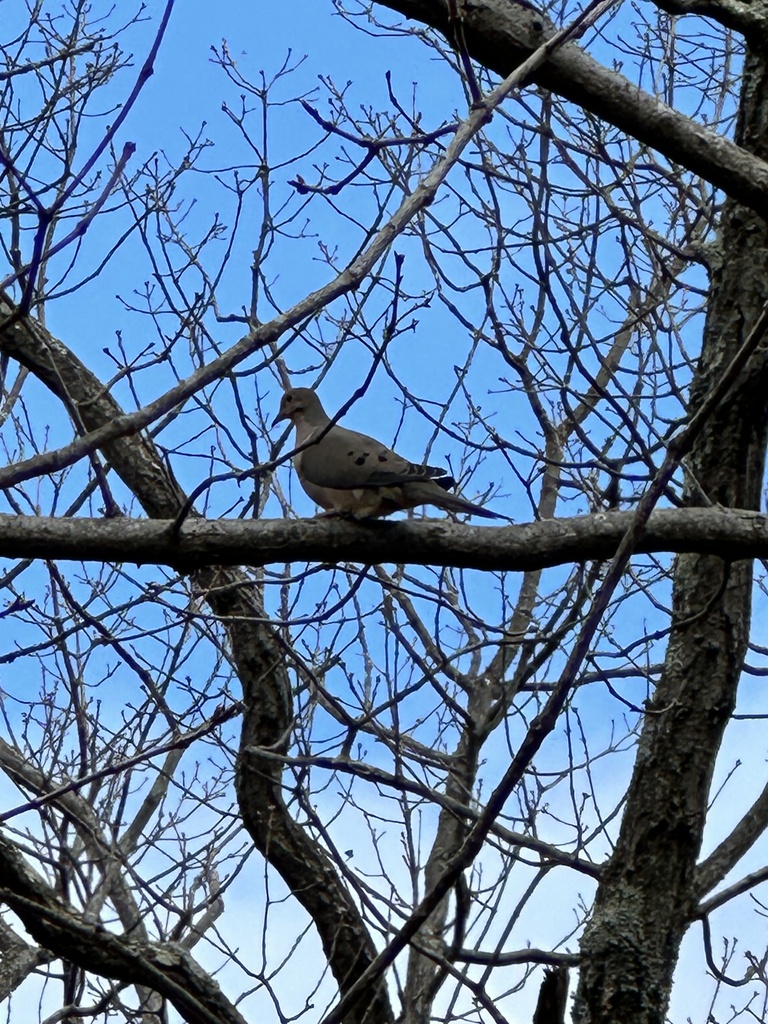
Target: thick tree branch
(164,968)
(749,19)
(730,533)
(500,34)
(17,960)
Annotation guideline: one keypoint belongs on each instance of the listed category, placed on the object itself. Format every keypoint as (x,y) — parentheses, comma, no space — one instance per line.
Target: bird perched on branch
(351,474)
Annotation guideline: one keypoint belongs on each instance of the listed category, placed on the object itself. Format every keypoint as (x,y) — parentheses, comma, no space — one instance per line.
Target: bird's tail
(455,503)
(435,492)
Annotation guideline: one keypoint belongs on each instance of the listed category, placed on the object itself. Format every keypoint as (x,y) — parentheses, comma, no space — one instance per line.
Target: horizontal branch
(731,533)
(519,956)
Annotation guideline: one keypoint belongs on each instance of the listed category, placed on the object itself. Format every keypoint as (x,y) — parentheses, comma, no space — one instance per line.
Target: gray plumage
(348,473)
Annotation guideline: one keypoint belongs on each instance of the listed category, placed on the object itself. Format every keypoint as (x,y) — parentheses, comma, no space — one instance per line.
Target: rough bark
(647,895)
(553,995)
(17,960)
(735,533)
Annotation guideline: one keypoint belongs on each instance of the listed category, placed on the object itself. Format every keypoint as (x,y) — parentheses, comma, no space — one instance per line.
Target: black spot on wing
(359,459)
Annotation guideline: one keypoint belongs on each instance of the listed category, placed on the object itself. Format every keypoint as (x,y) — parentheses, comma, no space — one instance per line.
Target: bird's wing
(347,460)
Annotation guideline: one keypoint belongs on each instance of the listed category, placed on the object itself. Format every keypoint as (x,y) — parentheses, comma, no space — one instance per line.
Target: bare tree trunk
(647,896)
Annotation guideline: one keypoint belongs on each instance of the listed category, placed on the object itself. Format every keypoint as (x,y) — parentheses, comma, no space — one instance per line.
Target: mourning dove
(348,473)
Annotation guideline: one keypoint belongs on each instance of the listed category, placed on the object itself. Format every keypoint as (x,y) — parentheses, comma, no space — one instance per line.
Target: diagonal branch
(165,968)
(728,853)
(17,960)
(501,33)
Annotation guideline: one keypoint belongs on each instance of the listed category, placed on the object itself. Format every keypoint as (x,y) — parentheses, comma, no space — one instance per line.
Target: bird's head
(298,403)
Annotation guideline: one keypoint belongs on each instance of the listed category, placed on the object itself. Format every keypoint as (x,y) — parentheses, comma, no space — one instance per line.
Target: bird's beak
(280,416)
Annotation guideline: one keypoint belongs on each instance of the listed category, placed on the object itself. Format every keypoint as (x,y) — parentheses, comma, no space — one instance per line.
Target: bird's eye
(289,398)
